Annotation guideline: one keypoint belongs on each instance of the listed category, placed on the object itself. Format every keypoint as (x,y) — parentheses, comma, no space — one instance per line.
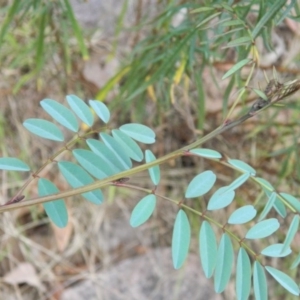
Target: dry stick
(275,92)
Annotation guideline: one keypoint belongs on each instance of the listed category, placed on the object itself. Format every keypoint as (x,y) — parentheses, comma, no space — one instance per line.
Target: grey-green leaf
(224,264)
(100,109)
(263,229)
(200,184)
(60,113)
(76,176)
(296,262)
(286,281)
(276,250)
(93,163)
(143,210)
(139,132)
(221,198)
(292,200)
(243,275)
(268,206)
(242,166)
(117,149)
(55,210)
(242,215)
(180,239)
(81,109)
(207,249)
(44,129)
(13,164)
(208,153)
(132,149)
(154,172)
(291,233)
(239,181)
(259,282)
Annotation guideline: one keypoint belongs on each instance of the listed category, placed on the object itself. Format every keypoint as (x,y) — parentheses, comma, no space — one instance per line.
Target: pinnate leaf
(221,198)
(13,164)
(263,229)
(243,275)
(139,132)
(242,215)
(259,282)
(101,110)
(242,166)
(154,172)
(208,153)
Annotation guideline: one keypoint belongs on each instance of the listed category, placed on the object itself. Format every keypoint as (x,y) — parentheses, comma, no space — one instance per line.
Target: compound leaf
(61,114)
(200,184)
(55,210)
(180,239)
(263,229)
(221,198)
(100,109)
(242,215)
(224,264)
(13,164)
(139,132)
(207,249)
(143,210)
(132,149)
(286,281)
(76,176)
(44,129)
(243,275)
(259,282)
(81,109)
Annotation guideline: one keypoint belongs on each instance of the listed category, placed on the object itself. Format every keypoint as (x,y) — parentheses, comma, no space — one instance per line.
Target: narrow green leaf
(277,5)
(202,9)
(242,166)
(117,149)
(280,208)
(154,172)
(207,249)
(244,40)
(208,153)
(200,184)
(292,200)
(268,206)
(13,164)
(138,132)
(239,181)
(44,129)
(93,163)
(132,149)
(296,262)
(206,20)
(276,250)
(261,94)
(263,229)
(224,264)
(55,210)
(291,233)
(143,211)
(232,23)
(100,109)
(76,176)
(221,198)
(81,109)
(259,282)
(236,67)
(60,113)
(243,275)
(264,183)
(242,215)
(284,280)
(180,239)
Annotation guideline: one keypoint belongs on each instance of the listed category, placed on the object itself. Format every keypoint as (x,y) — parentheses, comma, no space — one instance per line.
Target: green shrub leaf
(76,176)
(236,67)
(224,264)
(286,281)
(13,164)
(55,210)
(44,129)
(243,275)
(132,149)
(200,184)
(138,132)
(81,109)
(61,114)
(207,249)
(259,282)
(221,198)
(154,172)
(181,239)
(143,210)
(242,215)
(208,153)
(263,229)
(100,109)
